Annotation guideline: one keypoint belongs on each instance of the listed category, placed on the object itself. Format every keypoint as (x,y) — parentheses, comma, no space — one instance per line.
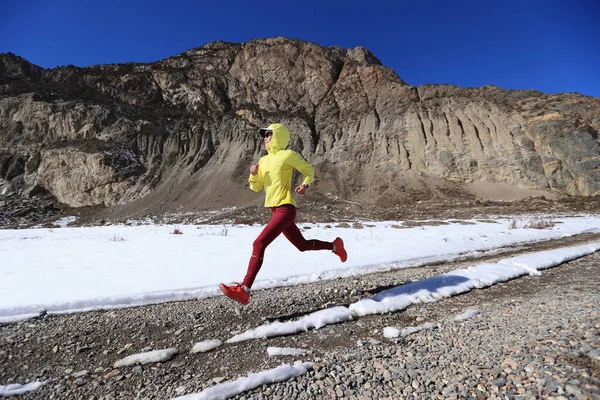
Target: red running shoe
(339,249)
(235,292)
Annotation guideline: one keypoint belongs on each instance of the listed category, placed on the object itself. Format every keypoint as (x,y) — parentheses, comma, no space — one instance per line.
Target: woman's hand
(301,188)
(254,169)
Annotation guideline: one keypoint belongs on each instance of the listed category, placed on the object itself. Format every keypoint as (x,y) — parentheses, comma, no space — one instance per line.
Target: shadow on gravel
(288,317)
(435,284)
(425,287)
(379,289)
(282,318)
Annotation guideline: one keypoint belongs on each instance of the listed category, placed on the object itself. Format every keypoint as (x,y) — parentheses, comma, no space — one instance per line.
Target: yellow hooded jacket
(275,169)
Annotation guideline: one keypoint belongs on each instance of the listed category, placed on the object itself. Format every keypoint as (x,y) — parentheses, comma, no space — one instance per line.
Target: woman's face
(267,138)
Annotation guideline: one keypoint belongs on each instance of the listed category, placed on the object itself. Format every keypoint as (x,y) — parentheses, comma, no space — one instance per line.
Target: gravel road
(533,337)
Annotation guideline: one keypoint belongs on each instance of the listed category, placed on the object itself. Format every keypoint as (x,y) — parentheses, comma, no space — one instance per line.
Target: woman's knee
(258,246)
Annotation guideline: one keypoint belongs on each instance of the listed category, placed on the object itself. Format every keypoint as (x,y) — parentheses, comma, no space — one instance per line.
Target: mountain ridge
(179,133)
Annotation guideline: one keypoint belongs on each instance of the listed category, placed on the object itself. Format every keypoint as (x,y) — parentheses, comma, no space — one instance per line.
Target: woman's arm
(295,160)
(255,179)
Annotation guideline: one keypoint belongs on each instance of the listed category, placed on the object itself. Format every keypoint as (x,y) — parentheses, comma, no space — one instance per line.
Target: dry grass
(531,223)
(546,117)
(413,224)
(177,231)
(210,231)
(539,223)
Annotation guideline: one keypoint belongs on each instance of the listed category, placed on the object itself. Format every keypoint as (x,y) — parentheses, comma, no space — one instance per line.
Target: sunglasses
(268,134)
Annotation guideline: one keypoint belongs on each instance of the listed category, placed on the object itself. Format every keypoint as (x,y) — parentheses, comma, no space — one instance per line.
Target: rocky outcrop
(181,132)
(22,203)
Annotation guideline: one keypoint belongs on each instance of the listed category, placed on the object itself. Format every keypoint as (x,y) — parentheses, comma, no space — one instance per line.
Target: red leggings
(282,221)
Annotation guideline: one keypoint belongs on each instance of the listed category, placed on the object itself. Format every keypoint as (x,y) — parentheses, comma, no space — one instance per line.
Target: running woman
(273,172)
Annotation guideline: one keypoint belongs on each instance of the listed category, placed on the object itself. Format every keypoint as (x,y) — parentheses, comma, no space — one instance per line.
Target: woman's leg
(281,218)
(293,234)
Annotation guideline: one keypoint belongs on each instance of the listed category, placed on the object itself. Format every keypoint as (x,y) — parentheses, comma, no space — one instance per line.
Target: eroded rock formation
(180,133)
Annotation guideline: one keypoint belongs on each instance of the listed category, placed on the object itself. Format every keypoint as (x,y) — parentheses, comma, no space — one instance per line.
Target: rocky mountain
(180,133)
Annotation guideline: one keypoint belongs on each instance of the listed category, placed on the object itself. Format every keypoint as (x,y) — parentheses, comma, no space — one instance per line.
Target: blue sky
(548,45)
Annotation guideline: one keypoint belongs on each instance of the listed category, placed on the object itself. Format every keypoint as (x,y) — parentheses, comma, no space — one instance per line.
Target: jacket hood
(280,139)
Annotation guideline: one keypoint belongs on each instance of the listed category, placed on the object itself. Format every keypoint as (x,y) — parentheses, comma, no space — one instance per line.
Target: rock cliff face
(180,133)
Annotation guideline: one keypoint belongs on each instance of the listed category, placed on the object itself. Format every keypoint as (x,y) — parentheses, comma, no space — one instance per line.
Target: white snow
(17,389)
(64,222)
(466,315)
(253,380)
(147,357)
(206,345)
(286,351)
(391,332)
(77,269)
(414,329)
(462,280)
(65,270)
(315,320)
